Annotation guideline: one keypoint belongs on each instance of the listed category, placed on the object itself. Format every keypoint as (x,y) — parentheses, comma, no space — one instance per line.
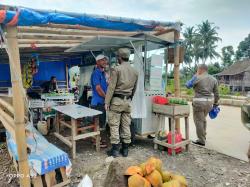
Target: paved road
(225,134)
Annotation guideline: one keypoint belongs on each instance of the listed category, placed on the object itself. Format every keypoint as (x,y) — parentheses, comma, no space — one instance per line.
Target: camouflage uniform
(119,95)
(205,87)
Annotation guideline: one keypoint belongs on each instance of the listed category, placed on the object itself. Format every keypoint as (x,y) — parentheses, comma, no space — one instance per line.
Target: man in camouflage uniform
(206,96)
(120,92)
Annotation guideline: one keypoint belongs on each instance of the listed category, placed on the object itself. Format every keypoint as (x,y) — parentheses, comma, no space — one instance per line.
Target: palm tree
(189,35)
(207,37)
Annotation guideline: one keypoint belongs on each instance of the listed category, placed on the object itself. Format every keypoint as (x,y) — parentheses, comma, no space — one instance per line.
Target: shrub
(190,92)
(224,90)
(170,86)
(237,94)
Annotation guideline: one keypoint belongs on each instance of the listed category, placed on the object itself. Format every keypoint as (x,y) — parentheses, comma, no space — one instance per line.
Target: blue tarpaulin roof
(31,17)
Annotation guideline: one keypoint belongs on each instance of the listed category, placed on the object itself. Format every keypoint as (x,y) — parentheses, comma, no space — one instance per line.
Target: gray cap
(123,52)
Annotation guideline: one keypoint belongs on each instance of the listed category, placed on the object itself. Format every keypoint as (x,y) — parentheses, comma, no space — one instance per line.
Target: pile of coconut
(151,174)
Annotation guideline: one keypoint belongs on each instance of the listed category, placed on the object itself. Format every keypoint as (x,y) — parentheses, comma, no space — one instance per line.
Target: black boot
(114,151)
(124,149)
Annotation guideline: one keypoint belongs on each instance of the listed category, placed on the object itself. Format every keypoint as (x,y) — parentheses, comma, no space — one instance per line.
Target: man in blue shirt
(99,88)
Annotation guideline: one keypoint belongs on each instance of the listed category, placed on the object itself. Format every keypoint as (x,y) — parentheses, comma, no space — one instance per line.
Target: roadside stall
(149,116)
(25,32)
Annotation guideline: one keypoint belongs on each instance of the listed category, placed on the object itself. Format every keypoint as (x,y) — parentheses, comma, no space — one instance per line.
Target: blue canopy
(30,17)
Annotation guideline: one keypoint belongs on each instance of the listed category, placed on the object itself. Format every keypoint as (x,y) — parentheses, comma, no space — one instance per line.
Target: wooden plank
(35,41)
(66,124)
(50,178)
(52,36)
(173,134)
(10,128)
(57,123)
(37,181)
(7,105)
(86,135)
(64,183)
(45,46)
(59,31)
(85,128)
(187,131)
(14,160)
(73,134)
(63,139)
(7,117)
(97,129)
(181,144)
(18,104)
(177,88)
(67,76)
(63,173)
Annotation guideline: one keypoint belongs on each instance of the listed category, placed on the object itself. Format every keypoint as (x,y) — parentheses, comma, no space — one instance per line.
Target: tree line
(200,44)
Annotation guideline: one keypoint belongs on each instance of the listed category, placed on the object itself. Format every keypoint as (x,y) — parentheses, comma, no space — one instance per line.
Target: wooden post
(18,104)
(166,62)
(177,73)
(73,135)
(67,76)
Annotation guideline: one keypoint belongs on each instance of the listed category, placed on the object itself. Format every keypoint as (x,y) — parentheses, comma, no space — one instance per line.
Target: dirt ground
(201,167)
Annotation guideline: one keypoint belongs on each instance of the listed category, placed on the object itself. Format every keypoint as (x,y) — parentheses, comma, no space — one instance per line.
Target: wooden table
(172,112)
(76,112)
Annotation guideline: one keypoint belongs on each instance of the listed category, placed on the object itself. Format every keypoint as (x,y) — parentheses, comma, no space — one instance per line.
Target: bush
(190,92)
(237,94)
(170,86)
(224,90)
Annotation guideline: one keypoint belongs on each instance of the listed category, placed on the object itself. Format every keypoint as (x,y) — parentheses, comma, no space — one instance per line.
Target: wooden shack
(236,76)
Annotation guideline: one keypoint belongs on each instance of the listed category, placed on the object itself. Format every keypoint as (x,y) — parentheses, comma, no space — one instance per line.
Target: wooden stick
(34,41)
(37,181)
(86,135)
(7,105)
(177,74)
(50,178)
(63,173)
(63,139)
(59,31)
(9,127)
(45,45)
(73,134)
(18,105)
(7,117)
(52,36)
(67,75)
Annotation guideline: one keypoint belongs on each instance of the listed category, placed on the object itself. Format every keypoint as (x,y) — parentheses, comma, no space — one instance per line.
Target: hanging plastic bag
(86,182)
(138,104)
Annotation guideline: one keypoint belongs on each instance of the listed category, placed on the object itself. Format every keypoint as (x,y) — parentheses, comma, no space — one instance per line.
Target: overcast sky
(231,16)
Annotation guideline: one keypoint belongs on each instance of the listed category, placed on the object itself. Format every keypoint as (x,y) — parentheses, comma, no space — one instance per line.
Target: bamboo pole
(34,41)
(60,31)
(7,105)
(46,36)
(18,104)
(177,73)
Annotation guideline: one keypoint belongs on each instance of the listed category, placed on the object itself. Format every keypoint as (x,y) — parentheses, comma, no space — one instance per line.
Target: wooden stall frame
(18,104)
(177,73)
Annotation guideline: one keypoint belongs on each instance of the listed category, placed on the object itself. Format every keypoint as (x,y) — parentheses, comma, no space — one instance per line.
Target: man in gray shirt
(206,96)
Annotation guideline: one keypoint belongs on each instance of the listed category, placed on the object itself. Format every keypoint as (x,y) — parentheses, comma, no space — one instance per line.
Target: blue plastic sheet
(29,17)
(44,156)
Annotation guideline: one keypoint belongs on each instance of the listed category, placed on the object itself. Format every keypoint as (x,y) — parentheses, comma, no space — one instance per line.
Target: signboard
(156,72)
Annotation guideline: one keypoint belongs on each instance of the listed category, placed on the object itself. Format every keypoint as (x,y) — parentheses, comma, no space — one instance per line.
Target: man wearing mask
(117,101)
(206,96)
